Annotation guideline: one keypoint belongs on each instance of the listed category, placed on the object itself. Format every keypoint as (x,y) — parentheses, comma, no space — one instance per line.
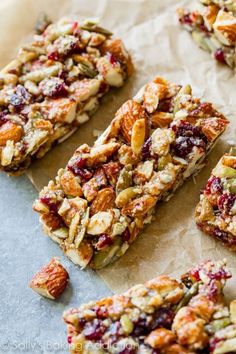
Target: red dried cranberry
(163,318)
(141,327)
(113,60)
(101,312)
(69,339)
(186,19)
(213,343)
(214,185)
(188,136)
(204,28)
(59,91)
(3,117)
(146,149)
(212,290)
(226,202)
(103,87)
(94,330)
(219,55)
(20,97)
(219,275)
(84,174)
(53,56)
(62,74)
(195,274)
(77,167)
(104,241)
(52,205)
(126,235)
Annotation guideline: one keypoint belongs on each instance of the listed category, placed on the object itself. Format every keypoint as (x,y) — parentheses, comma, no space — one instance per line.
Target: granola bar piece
(54,85)
(213,29)
(101,201)
(163,316)
(216,212)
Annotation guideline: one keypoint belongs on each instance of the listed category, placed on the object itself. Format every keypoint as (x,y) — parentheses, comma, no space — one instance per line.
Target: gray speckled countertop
(28,322)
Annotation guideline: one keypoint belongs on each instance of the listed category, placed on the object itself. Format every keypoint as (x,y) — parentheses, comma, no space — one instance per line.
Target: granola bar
(54,85)
(213,29)
(229,5)
(216,212)
(98,204)
(163,316)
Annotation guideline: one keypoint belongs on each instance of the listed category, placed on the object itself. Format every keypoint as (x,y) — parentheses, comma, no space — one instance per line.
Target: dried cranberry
(53,56)
(186,19)
(62,74)
(212,290)
(146,149)
(69,339)
(59,91)
(84,173)
(219,275)
(204,28)
(3,117)
(103,87)
(214,185)
(20,97)
(113,60)
(213,343)
(163,318)
(104,241)
(52,205)
(77,167)
(187,137)
(226,202)
(219,55)
(101,312)
(141,327)
(195,274)
(94,330)
(126,235)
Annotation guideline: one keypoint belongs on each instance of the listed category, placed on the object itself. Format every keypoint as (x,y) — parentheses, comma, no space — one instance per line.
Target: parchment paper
(172,243)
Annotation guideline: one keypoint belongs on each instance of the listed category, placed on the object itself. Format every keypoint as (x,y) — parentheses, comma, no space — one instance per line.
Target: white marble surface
(28,322)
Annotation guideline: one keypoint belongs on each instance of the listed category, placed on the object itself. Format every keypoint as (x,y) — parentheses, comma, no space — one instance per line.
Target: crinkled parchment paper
(172,243)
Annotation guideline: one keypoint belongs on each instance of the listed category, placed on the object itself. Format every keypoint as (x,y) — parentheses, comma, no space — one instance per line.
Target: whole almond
(128,114)
(51,280)
(10,131)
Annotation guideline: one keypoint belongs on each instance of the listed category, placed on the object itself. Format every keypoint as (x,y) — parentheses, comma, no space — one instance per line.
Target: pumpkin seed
(93,27)
(125,179)
(86,70)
